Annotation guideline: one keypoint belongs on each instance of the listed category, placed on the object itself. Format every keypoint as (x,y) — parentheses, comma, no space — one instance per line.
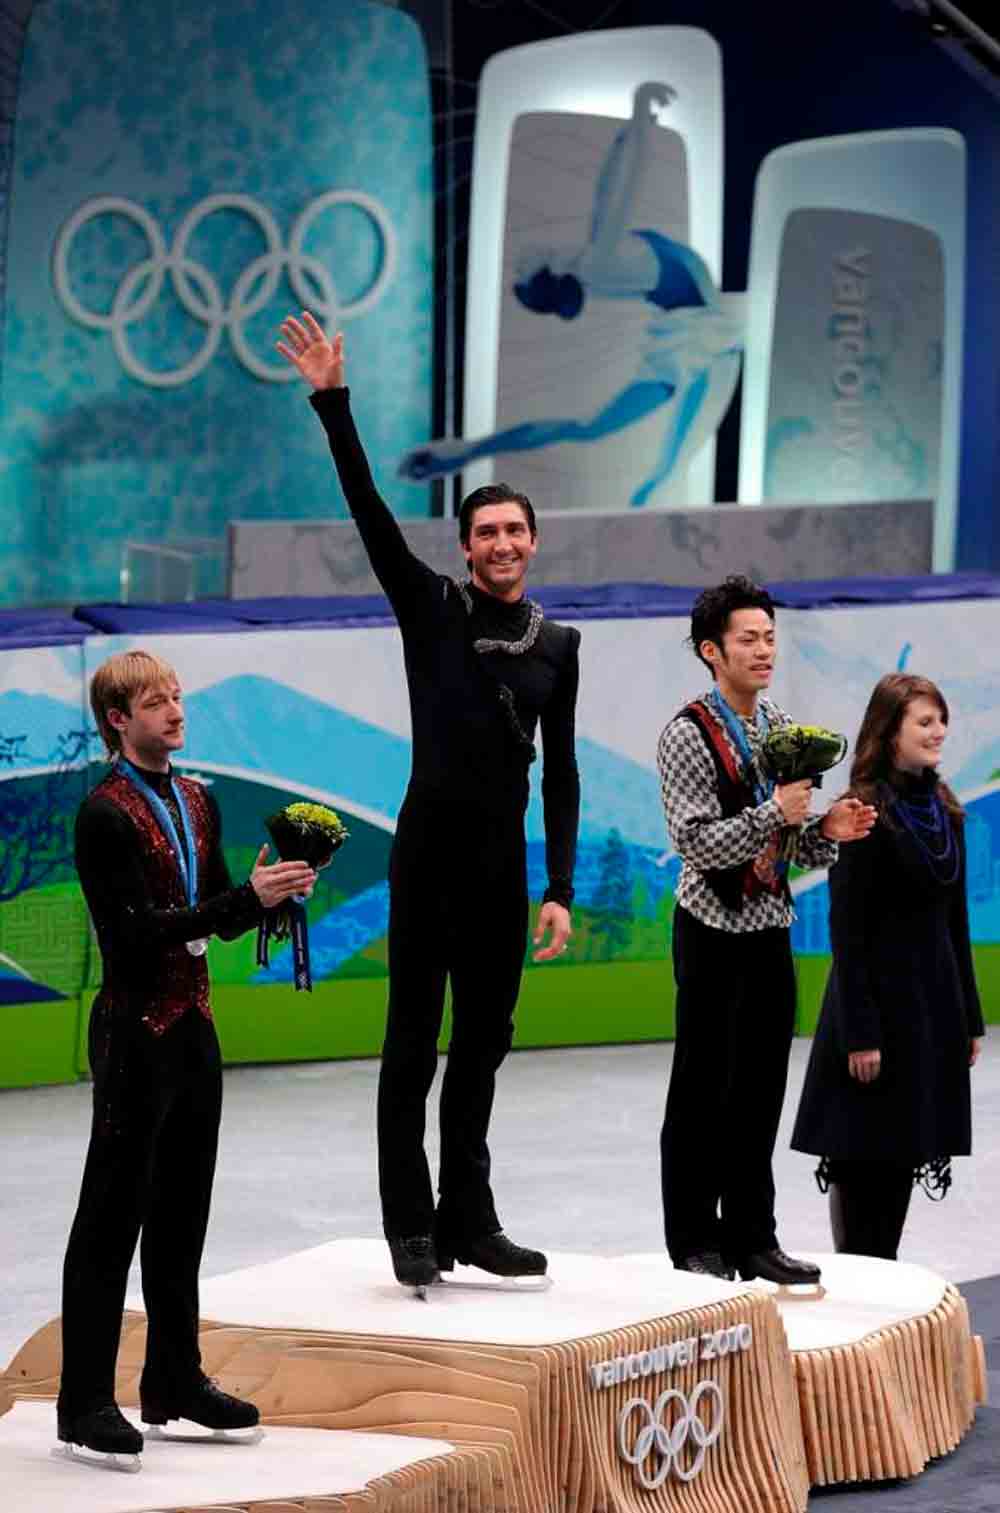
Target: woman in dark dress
(886,1099)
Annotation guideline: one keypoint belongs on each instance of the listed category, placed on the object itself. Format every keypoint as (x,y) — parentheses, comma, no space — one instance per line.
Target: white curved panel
(594,74)
(916,178)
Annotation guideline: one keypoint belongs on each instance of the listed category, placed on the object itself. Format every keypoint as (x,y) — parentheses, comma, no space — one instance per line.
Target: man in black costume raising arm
(484,668)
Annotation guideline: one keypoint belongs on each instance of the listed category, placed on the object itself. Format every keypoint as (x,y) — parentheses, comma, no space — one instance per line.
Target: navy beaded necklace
(929,825)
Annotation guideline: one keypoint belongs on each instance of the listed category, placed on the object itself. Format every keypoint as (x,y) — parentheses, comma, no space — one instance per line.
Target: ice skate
(103,1438)
(515,1268)
(796,1281)
(415,1262)
(228,1420)
(707,1263)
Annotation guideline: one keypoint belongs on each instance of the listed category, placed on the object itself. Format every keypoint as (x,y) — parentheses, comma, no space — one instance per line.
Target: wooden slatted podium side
(557,1431)
(885,1406)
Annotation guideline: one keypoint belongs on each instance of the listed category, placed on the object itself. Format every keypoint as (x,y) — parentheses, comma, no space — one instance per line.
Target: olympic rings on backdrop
(199,293)
(668,1443)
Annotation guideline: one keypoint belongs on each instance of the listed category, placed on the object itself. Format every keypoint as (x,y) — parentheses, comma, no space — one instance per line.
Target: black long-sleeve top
(465,748)
(135,895)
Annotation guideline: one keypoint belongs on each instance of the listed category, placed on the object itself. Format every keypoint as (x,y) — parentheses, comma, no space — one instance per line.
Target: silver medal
(197,947)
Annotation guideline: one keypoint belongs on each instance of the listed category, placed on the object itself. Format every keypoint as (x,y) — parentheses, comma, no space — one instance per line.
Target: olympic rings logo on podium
(199,293)
(668,1443)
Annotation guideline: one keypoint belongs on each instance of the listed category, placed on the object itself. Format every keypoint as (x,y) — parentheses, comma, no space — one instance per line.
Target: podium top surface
(287,1463)
(863,1295)
(347,1286)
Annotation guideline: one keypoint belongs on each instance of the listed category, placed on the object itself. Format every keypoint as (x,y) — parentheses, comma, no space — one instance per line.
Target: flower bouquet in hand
(301,832)
(307,833)
(795,754)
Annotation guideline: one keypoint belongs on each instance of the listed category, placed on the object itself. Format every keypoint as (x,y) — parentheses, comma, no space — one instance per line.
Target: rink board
(321,713)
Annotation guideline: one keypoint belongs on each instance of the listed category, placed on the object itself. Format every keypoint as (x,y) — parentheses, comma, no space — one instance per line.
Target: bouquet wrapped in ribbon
(796,753)
(301,832)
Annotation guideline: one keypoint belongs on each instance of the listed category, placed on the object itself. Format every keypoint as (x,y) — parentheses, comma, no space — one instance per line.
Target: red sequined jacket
(133,887)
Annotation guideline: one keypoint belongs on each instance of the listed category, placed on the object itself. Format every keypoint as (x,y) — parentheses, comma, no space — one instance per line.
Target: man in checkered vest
(731,945)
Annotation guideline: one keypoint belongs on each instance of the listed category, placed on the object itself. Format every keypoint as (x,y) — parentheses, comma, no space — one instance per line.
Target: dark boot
(202,1403)
(414,1260)
(888,1223)
(105,1430)
(868,1207)
(839,1208)
(854,1205)
(707,1263)
(494,1253)
(775,1266)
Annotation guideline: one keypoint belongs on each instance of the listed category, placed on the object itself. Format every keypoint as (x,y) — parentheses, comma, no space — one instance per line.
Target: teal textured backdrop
(165,107)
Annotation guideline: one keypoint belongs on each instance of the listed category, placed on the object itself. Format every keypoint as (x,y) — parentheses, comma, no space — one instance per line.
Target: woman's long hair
(873,767)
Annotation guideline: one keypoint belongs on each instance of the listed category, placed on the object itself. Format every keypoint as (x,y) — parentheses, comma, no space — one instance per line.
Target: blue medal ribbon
(761,788)
(186,855)
(289,921)
(300,945)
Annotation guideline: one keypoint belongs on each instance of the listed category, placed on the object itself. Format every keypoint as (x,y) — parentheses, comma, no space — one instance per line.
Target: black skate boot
(796,1280)
(202,1403)
(106,1432)
(775,1266)
(494,1253)
(707,1263)
(415,1262)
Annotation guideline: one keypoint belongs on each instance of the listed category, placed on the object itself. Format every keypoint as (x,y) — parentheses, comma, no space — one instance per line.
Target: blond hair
(117,682)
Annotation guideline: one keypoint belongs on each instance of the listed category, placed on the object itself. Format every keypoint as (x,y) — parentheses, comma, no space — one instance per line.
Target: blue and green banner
(278,715)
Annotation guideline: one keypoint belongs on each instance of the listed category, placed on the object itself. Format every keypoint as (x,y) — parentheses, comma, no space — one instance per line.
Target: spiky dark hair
(712,608)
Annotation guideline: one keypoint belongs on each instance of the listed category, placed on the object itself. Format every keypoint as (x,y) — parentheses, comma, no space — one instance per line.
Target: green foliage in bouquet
(304,832)
(792,753)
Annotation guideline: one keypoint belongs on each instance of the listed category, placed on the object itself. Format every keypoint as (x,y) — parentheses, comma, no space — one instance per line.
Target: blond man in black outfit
(149,856)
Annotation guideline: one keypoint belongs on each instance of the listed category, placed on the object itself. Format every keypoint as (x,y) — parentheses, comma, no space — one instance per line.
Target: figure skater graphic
(689,363)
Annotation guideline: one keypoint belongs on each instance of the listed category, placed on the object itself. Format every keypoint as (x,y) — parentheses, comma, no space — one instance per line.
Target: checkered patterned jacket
(707,841)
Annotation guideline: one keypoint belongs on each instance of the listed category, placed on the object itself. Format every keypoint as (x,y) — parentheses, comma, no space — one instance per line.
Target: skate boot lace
(417,1246)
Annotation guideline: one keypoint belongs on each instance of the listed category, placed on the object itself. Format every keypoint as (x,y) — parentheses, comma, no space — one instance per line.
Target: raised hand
(306,347)
(849,820)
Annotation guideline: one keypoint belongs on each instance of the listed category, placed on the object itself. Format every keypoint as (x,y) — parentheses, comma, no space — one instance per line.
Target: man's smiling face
(500,549)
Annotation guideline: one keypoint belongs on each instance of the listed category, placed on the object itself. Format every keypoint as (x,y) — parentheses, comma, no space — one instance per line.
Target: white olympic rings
(669,1442)
(199,293)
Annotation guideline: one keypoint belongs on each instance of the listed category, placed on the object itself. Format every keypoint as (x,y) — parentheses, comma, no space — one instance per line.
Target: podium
(624,1385)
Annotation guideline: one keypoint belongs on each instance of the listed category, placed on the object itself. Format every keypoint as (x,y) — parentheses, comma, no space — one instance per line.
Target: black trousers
(150,1166)
(458,910)
(735,1017)
(869,1201)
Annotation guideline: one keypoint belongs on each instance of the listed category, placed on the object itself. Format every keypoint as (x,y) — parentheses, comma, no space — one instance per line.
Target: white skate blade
(98,1460)
(790,1292)
(485,1281)
(197,1434)
(803,1292)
